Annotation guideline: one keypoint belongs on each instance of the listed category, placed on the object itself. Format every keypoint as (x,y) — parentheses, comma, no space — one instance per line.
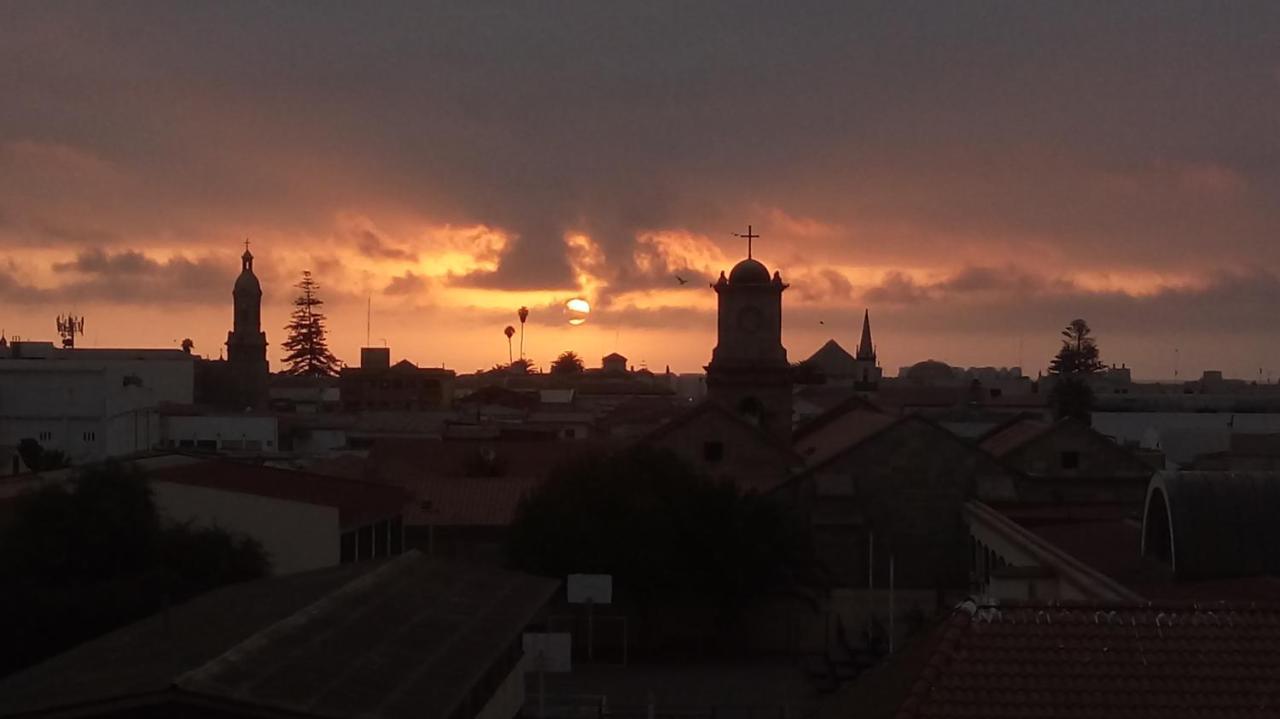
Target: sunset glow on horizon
(437,170)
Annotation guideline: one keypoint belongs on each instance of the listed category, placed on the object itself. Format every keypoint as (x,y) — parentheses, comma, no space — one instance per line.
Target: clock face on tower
(750,319)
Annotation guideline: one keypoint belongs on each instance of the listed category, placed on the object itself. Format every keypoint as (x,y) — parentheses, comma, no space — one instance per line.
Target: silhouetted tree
(567,363)
(1076,361)
(668,535)
(1079,352)
(308,350)
(80,560)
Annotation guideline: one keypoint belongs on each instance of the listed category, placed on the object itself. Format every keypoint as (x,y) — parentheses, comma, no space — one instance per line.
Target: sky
(976,174)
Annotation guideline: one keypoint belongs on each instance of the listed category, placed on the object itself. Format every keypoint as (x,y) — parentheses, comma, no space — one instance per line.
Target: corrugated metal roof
(408,637)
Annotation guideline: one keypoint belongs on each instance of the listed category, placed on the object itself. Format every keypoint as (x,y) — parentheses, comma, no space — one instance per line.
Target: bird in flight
(681,280)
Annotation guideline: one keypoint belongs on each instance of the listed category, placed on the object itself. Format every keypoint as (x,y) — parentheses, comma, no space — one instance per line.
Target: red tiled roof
(447,474)
(358,503)
(470,501)
(1006,439)
(848,430)
(1101,660)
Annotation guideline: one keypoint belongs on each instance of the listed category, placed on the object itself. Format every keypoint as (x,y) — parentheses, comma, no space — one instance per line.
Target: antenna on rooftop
(68,328)
(368,320)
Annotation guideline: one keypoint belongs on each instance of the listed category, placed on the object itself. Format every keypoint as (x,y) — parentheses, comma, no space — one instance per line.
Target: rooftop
(358,502)
(1083,660)
(406,637)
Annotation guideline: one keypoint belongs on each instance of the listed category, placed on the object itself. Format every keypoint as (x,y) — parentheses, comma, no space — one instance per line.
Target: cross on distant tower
(246,244)
(749,237)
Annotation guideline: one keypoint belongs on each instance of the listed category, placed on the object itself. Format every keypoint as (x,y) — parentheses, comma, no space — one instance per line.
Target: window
(1071,460)
(397,535)
(347,548)
(364,542)
(713,451)
(381,530)
(88,436)
(46,436)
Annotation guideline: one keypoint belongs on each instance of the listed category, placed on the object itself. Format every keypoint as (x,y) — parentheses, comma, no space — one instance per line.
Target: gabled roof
(833,360)
(844,432)
(470,482)
(358,502)
(854,403)
(707,407)
(406,637)
(1084,660)
(888,424)
(1013,435)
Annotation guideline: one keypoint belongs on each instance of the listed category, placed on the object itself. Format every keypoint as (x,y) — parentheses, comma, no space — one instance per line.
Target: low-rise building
(303,520)
(403,386)
(90,404)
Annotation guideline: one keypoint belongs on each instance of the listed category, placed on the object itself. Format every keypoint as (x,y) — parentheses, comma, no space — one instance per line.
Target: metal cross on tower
(246,244)
(749,237)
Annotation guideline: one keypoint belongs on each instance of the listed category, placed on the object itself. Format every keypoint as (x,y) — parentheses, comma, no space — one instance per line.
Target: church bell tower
(749,372)
(246,342)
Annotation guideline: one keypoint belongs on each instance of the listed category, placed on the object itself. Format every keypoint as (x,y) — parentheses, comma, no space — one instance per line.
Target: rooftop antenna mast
(368,321)
(68,328)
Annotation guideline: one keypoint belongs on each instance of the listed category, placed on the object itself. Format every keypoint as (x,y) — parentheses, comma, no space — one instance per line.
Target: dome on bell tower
(247,283)
(749,272)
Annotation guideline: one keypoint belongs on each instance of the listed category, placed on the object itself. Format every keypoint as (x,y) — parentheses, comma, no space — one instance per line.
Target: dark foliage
(1079,352)
(81,560)
(666,534)
(1072,397)
(307,346)
(567,363)
(38,459)
(1077,359)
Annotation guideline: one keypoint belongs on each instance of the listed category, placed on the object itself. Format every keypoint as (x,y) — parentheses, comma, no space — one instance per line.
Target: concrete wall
(232,433)
(296,536)
(908,486)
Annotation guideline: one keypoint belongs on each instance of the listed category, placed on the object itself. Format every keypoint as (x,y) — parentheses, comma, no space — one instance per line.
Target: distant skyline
(976,174)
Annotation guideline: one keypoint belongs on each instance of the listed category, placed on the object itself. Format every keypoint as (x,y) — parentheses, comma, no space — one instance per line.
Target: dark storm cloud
(406,284)
(824,285)
(132,277)
(97,261)
(370,244)
(1138,132)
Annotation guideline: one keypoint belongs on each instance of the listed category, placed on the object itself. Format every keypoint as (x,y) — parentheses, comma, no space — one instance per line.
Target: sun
(577,309)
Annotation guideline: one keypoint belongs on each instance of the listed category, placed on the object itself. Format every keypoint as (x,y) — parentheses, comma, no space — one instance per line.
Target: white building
(304,521)
(89,403)
(227,433)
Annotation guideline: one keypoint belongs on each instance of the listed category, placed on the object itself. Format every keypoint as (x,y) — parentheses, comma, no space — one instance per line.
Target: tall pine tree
(1071,368)
(309,354)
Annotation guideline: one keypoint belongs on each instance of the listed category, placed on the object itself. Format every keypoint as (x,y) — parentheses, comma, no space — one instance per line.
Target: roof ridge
(260,638)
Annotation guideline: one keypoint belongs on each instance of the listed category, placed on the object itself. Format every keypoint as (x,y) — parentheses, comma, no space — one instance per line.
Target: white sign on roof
(590,588)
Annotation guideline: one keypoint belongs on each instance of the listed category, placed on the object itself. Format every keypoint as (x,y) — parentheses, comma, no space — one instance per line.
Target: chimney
(375,357)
